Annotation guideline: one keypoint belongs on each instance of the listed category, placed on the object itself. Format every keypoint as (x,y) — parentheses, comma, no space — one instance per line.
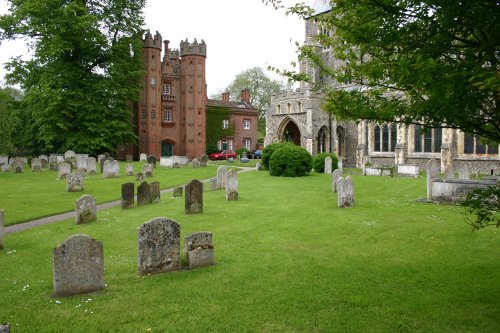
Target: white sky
(240,34)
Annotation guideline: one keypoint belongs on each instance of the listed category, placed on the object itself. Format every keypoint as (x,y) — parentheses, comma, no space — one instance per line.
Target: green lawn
(288,260)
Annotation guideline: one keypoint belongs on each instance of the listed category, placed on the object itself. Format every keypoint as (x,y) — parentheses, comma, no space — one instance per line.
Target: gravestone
(154,192)
(69,155)
(433,168)
(231,185)
(158,246)
(44,159)
(204,160)
(449,172)
(91,166)
(18,165)
(257,166)
(336,174)
(129,170)
(152,161)
(4,159)
(53,162)
(199,250)
(147,170)
(78,266)
(111,169)
(176,165)
(213,184)
(82,163)
(139,176)
(2,223)
(464,172)
(129,158)
(193,203)
(221,177)
(128,190)
(177,191)
(143,194)
(63,169)
(85,209)
(195,163)
(5,328)
(74,182)
(328,165)
(101,161)
(345,192)
(5,168)
(339,164)
(143,157)
(36,164)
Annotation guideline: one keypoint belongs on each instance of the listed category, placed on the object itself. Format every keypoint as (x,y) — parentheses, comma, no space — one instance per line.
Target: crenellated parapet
(150,41)
(194,48)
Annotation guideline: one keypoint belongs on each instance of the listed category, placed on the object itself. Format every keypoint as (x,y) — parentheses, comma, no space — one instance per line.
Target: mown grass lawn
(287,260)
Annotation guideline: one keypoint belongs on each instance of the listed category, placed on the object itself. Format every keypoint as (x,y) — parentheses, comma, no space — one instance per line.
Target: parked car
(223,155)
(254,154)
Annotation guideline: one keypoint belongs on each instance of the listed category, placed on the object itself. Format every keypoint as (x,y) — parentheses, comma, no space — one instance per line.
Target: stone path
(60,217)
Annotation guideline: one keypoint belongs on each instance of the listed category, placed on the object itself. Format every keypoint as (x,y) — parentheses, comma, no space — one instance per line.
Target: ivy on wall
(215,132)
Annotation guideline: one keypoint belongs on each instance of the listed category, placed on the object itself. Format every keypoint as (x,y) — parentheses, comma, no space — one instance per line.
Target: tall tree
(85,70)
(9,104)
(433,62)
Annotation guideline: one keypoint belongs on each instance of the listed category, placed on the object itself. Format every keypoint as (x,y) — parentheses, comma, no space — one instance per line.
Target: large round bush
(268,152)
(319,162)
(290,161)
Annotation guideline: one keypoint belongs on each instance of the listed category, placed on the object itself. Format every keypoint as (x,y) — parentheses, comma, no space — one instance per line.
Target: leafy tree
(9,104)
(483,207)
(85,70)
(433,63)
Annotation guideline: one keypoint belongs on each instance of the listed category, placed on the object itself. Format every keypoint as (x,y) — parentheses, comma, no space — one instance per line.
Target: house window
(153,114)
(166,89)
(247,143)
(153,82)
(168,115)
(473,145)
(143,114)
(428,140)
(385,138)
(225,123)
(246,124)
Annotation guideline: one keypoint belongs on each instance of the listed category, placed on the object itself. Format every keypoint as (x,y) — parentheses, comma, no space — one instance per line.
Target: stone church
(296,116)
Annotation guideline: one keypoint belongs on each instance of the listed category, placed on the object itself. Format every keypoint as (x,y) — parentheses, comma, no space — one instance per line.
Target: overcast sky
(240,34)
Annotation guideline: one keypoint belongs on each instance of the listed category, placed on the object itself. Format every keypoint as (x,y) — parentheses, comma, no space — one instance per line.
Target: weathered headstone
(194,197)
(111,169)
(345,192)
(74,182)
(231,185)
(195,163)
(5,167)
(44,160)
(328,165)
(143,157)
(176,165)
(91,166)
(139,176)
(53,162)
(496,171)
(128,190)
(82,163)
(147,170)
(63,169)
(336,174)
(143,194)
(2,223)
(4,159)
(339,164)
(129,158)
(78,266)
(36,164)
(154,192)
(69,154)
(85,209)
(199,250)
(177,191)
(213,184)
(152,161)
(433,168)
(449,172)
(18,165)
(5,328)
(129,170)
(159,246)
(221,177)
(464,172)
(204,160)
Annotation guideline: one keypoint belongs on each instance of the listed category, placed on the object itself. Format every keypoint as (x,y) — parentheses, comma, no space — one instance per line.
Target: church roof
(230,104)
(321,6)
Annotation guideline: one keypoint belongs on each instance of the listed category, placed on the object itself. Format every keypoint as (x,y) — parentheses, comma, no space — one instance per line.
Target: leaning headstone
(204,160)
(177,191)
(143,194)
(158,246)
(129,170)
(213,184)
(199,250)
(152,161)
(78,266)
(69,155)
(36,164)
(128,195)
(5,328)
(143,157)
(63,170)
(154,192)
(433,168)
(231,185)
(74,182)
(328,165)
(449,172)
(85,209)
(1,228)
(139,176)
(147,170)
(196,163)
(111,169)
(336,174)
(464,172)
(221,177)
(129,158)
(193,202)
(91,166)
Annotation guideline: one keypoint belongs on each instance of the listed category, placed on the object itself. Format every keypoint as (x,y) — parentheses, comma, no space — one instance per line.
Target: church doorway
(323,142)
(290,133)
(167,149)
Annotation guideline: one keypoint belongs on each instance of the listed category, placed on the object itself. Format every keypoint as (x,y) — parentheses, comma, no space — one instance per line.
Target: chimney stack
(225,96)
(245,96)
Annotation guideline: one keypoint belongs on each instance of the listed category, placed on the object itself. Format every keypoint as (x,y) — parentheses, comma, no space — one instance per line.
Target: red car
(223,155)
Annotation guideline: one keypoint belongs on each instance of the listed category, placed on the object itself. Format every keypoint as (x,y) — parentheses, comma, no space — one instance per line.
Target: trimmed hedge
(290,161)
(319,162)
(268,152)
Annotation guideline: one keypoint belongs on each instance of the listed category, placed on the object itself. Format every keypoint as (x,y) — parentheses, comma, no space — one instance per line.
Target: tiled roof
(321,6)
